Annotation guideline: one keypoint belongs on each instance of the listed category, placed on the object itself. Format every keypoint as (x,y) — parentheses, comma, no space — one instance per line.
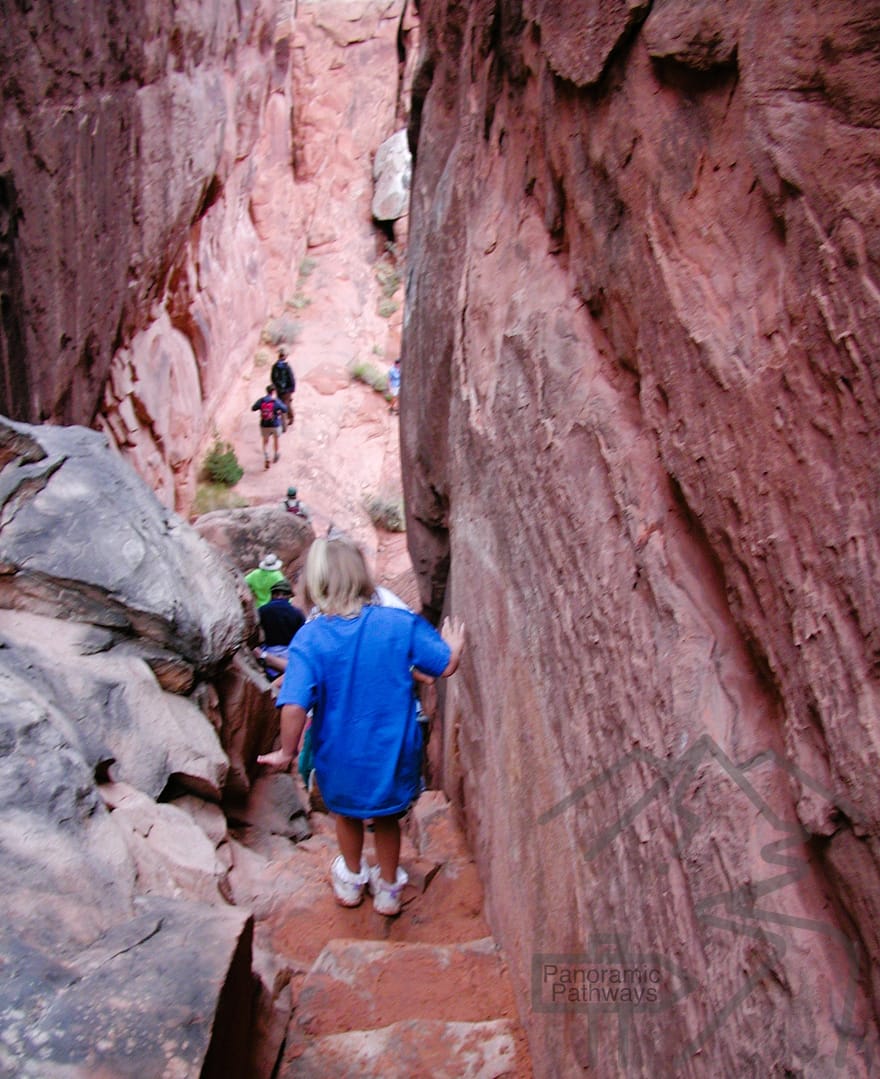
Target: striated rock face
(130,712)
(163,171)
(121,564)
(641,424)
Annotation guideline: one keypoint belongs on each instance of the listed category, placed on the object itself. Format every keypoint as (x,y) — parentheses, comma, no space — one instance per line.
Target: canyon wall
(640,440)
(163,172)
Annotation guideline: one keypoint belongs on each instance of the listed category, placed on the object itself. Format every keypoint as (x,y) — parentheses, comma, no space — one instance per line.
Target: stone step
(361,984)
(425,993)
(434,831)
(413,1047)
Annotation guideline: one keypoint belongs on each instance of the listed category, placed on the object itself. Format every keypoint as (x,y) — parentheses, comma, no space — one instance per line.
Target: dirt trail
(427,992)
(343,448)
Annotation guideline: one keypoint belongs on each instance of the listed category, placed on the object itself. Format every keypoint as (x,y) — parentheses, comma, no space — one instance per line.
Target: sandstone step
(434,830)
(360,984)
(424,994)
(414,1047)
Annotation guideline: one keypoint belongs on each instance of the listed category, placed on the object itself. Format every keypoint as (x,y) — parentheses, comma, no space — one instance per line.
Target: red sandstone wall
(640,420)
(164,168)
(119,129)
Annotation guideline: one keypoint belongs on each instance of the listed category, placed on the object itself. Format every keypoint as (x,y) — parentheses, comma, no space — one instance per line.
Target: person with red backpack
(271,410)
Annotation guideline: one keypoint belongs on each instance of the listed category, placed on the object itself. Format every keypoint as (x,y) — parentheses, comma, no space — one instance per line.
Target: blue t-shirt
(356,673)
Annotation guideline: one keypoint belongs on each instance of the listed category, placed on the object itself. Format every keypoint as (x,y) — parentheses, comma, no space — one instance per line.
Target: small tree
(221,465)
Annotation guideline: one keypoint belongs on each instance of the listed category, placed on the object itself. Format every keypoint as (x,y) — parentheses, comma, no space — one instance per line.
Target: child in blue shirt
(354,665)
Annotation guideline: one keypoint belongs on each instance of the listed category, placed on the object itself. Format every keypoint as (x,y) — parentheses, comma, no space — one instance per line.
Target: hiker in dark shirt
(280,621)
(271,410)
(284,381)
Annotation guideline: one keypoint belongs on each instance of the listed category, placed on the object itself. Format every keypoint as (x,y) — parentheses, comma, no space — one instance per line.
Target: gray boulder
(167,992)
(83,537)
(244,536)
(125,683)
(392,174)
(111,706)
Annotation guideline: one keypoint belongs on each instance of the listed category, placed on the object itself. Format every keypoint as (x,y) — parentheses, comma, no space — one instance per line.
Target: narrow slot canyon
(626,254)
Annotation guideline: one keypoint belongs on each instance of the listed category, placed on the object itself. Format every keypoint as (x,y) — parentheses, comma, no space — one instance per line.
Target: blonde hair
(337,578)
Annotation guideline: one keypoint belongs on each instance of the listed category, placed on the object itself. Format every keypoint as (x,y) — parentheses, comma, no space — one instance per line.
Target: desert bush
(281,331)
(386,512)
(298,302)
(216,496)
(387,308)
(365,372)
(388,277)
(307,266)
(221,465)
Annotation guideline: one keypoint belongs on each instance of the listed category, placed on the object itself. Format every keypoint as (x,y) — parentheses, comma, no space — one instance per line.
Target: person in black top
(280,621)
(284,381)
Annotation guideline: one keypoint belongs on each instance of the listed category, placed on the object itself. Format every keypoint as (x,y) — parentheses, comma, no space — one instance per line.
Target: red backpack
(267,410)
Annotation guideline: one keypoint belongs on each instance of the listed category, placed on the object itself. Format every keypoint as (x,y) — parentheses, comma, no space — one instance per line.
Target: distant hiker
(284,381)
(394,385)
(271,410)
(353,665)
(280,621)
(293,505)
(261,579)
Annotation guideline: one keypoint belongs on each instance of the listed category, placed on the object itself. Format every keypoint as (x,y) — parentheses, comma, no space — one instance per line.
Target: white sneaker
(386,897)
(348,887)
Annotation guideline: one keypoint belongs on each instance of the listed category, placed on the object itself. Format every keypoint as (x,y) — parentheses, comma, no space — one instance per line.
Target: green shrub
(221,465)
(386,513)
(307,266)
(387,308)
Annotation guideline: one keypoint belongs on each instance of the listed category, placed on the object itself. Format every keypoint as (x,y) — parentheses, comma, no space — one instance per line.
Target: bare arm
(293,719)
(453,633)
(276,661)
(428,695)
